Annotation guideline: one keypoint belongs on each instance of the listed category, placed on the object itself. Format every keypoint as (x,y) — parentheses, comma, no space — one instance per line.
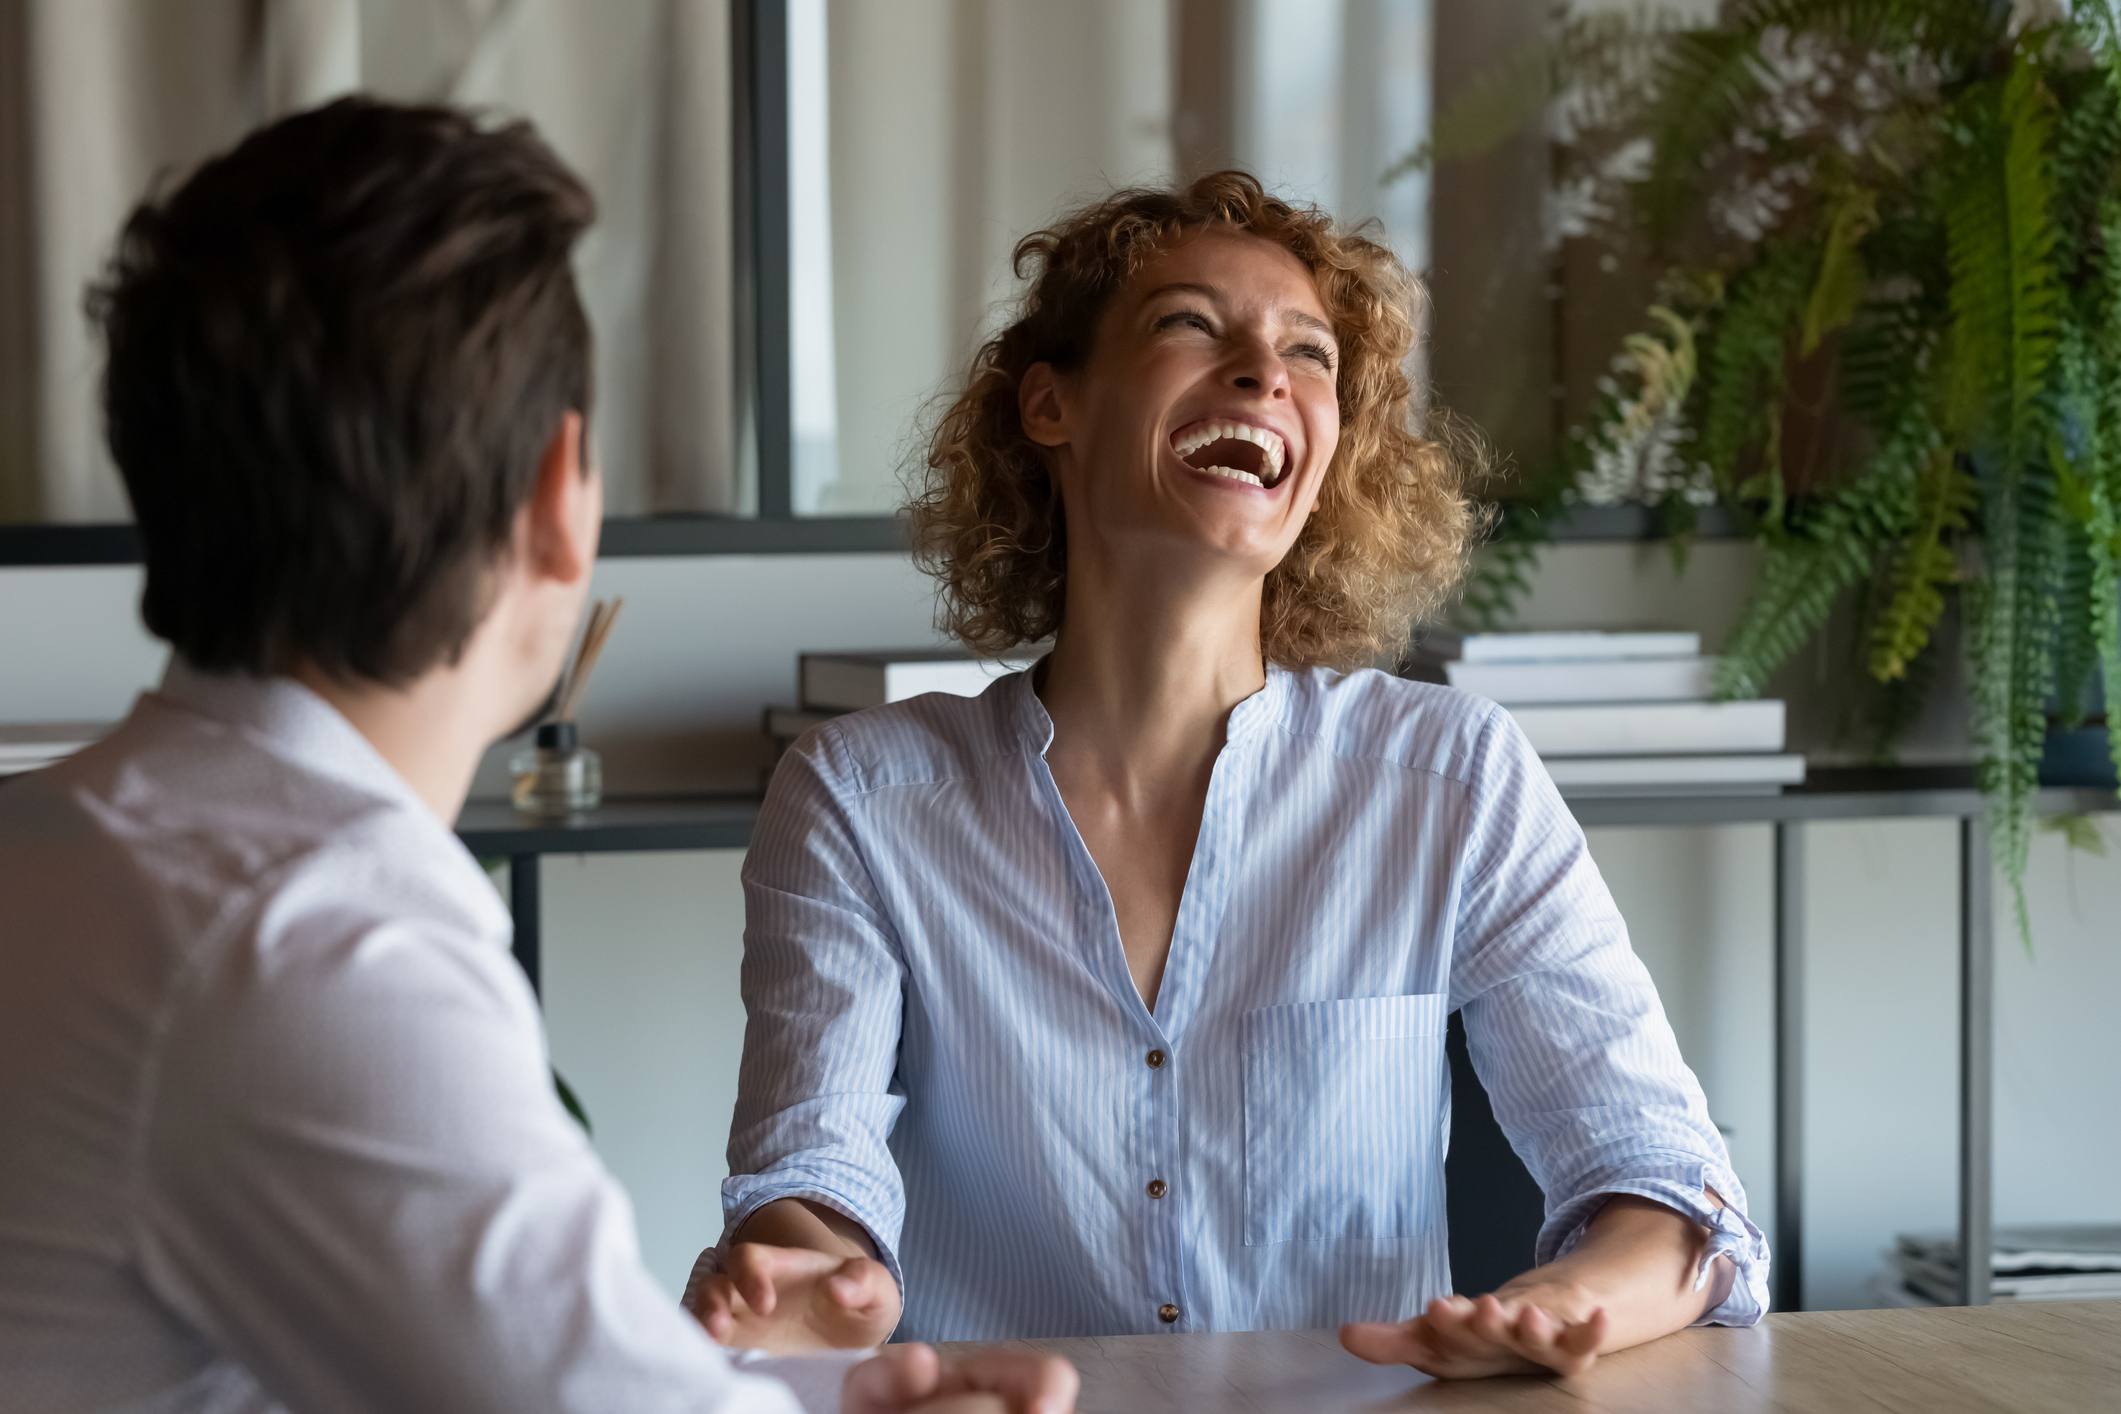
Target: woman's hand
(915,1379)
(1632,1278)
(1536,1328)
(792,1298)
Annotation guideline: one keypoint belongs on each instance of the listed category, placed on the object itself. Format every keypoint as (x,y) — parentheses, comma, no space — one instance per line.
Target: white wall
(641,951)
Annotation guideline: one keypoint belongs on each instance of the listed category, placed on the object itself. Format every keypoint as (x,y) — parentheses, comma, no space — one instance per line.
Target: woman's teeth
(1233,474)
(1200,434)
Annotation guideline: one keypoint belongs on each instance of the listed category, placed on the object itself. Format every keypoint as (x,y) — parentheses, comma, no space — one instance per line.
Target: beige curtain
(99,96)
(927,136)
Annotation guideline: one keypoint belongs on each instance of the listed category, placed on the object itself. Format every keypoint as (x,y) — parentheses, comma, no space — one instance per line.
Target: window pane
(927,136)
(634,96)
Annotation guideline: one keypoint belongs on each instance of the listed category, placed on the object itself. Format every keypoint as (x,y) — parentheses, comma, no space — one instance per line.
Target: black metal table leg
(523,903)
(1977,998)
(1787,1274)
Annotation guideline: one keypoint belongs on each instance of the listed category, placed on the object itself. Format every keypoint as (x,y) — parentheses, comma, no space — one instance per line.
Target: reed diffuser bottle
(556,775)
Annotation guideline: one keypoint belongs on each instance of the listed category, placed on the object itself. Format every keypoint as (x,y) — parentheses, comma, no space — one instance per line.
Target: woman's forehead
(1236,266)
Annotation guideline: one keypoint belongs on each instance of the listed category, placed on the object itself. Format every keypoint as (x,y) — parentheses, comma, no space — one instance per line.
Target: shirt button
(1167,1313)
(1158,1188)
(1156,1060)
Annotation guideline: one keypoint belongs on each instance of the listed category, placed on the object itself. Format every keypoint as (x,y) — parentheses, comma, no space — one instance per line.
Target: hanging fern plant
(1923,199)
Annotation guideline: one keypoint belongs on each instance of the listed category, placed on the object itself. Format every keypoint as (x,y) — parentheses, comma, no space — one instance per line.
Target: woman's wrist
(1556,1292)
(797,1222)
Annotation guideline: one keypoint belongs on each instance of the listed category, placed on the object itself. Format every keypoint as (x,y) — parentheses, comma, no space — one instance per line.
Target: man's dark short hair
(336,356)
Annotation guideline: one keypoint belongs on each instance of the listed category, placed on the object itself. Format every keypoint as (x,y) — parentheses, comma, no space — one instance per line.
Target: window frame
(763,368)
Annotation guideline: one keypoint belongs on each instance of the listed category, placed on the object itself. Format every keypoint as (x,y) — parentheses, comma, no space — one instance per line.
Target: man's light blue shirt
(945,1043)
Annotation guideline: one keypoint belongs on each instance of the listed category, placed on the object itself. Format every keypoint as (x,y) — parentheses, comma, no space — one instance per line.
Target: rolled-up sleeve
(823,982)
(1568,1036)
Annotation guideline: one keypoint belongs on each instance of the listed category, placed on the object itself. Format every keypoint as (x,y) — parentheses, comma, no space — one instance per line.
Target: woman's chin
(1234,542)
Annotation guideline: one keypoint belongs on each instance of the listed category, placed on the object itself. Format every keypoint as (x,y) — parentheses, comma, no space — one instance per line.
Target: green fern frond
(1900,702)
(1883,358)
(1748,348)
(2075,453)
(2087,143)
(2077,636)
(1924,568)
(1502,570)
(1838,289)
(1806,572)
(1712,81)
(1798,584)
(2080,832)
(2103,481)
(1706,82)
(1953,28)
(2098,24)
(2007,309)
(1606,50)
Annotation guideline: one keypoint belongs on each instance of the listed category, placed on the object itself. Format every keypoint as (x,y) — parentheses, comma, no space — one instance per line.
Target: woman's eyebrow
(1309,321)
(1183,287)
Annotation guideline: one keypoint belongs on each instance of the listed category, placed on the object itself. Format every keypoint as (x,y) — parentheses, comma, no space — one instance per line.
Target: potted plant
(1886,335)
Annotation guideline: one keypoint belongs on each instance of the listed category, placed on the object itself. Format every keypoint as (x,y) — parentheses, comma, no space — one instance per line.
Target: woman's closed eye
(1318,353)
(1188,318)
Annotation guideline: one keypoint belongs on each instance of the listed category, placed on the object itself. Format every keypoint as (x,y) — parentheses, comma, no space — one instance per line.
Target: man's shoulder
(186,838)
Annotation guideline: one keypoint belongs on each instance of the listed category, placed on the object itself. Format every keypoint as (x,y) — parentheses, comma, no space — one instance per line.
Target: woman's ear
(1038,406)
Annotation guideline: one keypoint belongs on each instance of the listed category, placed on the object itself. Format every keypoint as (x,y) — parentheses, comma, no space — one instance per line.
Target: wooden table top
(2023,1357)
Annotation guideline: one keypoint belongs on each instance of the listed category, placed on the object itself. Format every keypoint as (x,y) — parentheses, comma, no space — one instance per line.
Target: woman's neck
(1143,675)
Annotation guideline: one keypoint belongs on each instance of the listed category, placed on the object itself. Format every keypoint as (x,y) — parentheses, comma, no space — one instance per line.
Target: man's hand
(914,1379)
(791,1298)
(1531,1329)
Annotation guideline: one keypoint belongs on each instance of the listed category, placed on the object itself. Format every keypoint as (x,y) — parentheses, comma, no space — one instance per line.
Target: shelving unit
(725,821)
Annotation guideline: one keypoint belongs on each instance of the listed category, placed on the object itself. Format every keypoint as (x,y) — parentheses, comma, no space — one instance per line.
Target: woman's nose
(1258,369)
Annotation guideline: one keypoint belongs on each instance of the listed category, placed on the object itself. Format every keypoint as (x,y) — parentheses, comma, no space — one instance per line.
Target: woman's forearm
(793,1222)
(1638,1260)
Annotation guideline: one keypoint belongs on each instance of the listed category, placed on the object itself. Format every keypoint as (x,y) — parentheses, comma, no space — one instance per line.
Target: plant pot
(2078,756)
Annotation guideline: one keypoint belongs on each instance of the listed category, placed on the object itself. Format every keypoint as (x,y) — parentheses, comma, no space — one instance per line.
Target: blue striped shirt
(945,1044)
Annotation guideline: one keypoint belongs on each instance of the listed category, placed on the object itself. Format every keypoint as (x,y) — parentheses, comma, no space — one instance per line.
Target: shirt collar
(289,720)
(1035,728)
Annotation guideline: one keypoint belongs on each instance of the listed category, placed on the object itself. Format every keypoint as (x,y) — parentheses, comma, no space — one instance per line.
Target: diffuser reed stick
(602,615)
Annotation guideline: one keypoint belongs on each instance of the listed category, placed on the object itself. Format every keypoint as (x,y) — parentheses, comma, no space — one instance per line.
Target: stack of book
(832,684)
(31,746)
(2037,1263)
(1625,713)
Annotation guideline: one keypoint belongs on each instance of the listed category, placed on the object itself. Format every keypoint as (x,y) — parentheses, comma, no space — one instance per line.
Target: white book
(1558,645)
(1940,1282)
(1616,680)
(1652,728)
(2092,1247)
(1753,773)
(852,681)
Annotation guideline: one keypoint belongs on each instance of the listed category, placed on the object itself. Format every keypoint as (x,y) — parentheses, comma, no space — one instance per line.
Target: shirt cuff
(710,1261)
(1681,1187)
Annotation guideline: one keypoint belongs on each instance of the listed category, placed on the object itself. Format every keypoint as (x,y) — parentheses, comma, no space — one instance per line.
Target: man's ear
(565,510)
(1038,406)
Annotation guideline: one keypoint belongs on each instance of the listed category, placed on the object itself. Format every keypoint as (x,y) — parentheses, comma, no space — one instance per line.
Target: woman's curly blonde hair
(1388,540)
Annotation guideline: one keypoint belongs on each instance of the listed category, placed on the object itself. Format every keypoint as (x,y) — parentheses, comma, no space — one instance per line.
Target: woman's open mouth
(1237,451)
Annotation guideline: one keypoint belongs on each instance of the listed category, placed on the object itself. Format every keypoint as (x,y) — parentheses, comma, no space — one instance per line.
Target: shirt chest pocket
(1344,1114)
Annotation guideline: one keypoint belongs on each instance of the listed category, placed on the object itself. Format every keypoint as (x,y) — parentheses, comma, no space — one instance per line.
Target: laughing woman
(1113,1000)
